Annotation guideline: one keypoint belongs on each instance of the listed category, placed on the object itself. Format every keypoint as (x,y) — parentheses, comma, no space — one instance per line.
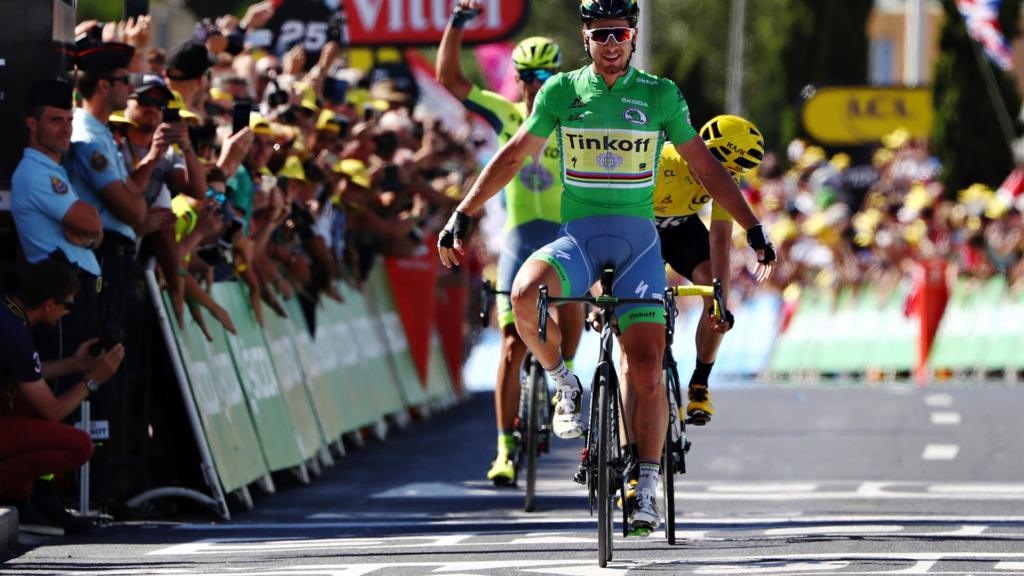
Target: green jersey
(610,139)
(535,193)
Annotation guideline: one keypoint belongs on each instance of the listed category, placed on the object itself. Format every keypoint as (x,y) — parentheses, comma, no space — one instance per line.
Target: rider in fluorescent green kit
(611,120)
(532,199)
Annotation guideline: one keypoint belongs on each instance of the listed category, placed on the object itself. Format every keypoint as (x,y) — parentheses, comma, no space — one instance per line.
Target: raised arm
(447,70)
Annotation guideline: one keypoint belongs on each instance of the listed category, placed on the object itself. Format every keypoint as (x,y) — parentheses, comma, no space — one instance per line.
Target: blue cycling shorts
(628,244)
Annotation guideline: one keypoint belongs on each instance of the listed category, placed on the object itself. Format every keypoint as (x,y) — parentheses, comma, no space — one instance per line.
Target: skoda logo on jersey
(536,178)
(635,116)
(609,161)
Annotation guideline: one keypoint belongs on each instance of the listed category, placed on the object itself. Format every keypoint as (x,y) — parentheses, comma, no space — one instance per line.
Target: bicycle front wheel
(534,397)
(604,498)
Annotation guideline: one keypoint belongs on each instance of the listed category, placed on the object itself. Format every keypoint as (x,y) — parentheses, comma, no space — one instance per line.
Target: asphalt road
(786,480)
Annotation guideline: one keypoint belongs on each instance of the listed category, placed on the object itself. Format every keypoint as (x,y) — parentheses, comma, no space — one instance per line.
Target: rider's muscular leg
(643,345)
(506,391)
(525,291)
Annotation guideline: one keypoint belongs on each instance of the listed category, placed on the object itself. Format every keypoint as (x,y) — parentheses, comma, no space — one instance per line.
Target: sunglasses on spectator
(220,197)
(67,304)
(123,79)
(152,101)
(539,74)
(602,35)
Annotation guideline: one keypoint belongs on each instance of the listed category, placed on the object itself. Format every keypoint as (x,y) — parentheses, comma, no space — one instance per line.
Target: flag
(496,64)
(982,19)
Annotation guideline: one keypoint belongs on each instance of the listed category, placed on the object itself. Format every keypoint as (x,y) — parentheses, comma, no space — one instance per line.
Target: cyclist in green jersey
(532,200)
(611,121)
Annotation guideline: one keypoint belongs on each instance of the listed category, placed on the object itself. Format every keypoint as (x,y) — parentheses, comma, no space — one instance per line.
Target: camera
(111,336)
(171,115)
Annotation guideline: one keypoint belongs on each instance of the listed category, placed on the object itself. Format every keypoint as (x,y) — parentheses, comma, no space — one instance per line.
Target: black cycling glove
(462,15)
(456,228)
(757,238)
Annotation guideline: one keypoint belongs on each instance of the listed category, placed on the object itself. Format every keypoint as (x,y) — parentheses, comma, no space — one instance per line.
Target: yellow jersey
(677,192)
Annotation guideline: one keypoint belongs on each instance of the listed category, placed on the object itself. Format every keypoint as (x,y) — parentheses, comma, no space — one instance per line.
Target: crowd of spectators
(220,161)
(839,225)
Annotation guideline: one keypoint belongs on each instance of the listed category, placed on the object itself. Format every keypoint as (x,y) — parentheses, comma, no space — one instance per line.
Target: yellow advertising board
(850,116)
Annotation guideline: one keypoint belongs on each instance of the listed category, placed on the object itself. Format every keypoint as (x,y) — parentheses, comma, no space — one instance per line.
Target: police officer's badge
(59,187)
(98,161)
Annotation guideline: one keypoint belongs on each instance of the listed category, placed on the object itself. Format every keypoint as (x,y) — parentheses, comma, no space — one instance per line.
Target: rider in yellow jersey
(690,248)
(533,202)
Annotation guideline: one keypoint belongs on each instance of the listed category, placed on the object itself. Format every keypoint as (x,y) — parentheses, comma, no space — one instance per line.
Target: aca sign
(412,22)
(862,115)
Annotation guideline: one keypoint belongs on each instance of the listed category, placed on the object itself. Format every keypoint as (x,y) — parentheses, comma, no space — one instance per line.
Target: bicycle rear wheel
(604,498)
(534,397)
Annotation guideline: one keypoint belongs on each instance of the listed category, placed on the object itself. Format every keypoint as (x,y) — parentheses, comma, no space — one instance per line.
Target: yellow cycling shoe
(502,472)
(699,410)
(630,494)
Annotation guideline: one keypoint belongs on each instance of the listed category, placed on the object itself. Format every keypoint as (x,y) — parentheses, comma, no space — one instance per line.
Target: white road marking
(784,568)
(1005,565)
(938,400)
(987,488)
(945,418)
(838,530)
(733,491)
(940,452)
(761,488)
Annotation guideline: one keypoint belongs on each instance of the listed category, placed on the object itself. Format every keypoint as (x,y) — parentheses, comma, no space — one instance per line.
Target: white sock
(562,376)
(648,477)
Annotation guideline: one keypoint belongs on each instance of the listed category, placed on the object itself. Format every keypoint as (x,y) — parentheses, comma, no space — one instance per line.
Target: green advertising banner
(381,300)
(350,375)
(360,330)
(270,414)
(220,402)
(292,379)
(981,328)
(321,369)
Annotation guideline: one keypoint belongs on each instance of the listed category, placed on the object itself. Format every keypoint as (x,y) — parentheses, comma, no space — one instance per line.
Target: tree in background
(966,134)
(825,43)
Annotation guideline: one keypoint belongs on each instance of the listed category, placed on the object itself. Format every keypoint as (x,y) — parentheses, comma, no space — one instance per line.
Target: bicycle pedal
(699,418)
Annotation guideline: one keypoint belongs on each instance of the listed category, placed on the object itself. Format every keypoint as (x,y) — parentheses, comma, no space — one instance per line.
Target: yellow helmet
(735,141)
(537,52)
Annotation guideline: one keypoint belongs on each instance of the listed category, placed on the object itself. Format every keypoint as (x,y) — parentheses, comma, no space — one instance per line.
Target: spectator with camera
(32,439)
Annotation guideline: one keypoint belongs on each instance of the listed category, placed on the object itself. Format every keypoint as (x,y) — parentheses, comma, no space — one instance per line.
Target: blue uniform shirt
(40,197)
(93,163)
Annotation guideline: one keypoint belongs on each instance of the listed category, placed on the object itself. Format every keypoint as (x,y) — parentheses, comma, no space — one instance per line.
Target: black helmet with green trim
(591,10)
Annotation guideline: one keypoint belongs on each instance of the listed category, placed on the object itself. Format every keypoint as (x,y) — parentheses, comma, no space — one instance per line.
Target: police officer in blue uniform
(47,211)
(98,172)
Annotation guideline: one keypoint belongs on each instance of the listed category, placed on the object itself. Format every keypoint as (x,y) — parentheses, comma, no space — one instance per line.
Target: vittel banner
(418,22)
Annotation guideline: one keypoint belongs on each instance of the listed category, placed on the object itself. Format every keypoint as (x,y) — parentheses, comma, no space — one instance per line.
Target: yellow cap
(308,97)
(293,169)
(326,122)
(840,161)
(355,170)
(119,117)
(896,139)
(178,103)
(260,125)
(221,95)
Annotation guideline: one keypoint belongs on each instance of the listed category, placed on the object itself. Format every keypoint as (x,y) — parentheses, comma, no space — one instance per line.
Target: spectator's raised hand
(294,61)
(83,360)
(161,140)
(258,14)
(137,32)
(234,150)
